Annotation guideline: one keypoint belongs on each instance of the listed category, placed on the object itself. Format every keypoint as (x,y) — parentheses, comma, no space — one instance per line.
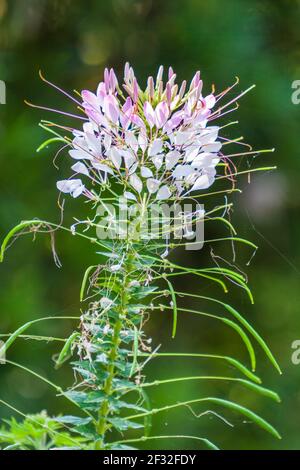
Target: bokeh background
(72,42)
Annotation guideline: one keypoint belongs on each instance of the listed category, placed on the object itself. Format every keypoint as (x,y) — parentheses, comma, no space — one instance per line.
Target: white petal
(115,157)
(131,140)
(102,167)
(129,158)
(203,182)
(94,143)
(80,143)
(192,152)
(107,142)
(182,170)
(63,186)
(205,159)
(214,147)
(171,159)
(152,185)
(210,101)
(155,147)
(180,138)
(163,193)
(136,183)
(133,168)
(210,134)
(146,172)
(79,154)
(158,161)
(90,127)
(179,186)
(191,178)
(73,187)
(143,141)
(80,168)
(129,196)
(77,191)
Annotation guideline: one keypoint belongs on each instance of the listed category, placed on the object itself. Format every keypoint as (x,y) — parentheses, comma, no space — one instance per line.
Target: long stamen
(58,88)
(64,113)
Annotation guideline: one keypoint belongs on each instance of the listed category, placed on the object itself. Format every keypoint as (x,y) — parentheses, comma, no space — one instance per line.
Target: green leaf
(139,292)
(119,405)
(75,420)
(122,424)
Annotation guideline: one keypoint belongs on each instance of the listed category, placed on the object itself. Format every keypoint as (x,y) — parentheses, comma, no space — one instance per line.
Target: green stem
(108,389)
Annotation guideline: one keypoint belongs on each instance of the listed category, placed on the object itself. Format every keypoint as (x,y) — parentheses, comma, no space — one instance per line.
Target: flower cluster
(155,141)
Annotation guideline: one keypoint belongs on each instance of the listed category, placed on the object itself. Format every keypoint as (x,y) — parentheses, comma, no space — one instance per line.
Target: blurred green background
(72,42)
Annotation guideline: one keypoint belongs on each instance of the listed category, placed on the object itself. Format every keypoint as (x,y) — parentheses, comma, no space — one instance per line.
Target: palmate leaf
(37,432)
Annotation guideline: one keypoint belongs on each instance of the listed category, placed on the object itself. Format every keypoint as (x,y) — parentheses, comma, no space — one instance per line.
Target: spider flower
(155,141)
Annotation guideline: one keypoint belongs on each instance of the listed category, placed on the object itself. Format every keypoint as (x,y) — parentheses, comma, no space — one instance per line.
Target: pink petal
(111,109)
(161,114)
(210,101)
(149,114)
(90,98)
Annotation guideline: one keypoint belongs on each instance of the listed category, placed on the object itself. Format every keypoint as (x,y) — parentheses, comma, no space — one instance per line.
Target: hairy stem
(108,389)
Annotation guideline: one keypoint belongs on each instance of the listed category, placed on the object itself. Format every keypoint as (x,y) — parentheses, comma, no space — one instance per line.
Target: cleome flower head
(155,141)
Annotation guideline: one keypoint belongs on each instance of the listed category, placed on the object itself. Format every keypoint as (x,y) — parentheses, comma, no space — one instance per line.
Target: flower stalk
(108,388)
(143,150)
